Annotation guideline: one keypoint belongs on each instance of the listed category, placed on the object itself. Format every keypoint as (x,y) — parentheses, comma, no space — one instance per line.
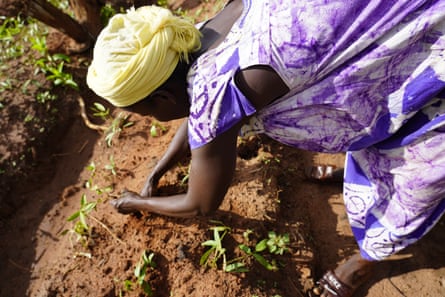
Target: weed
(38,43)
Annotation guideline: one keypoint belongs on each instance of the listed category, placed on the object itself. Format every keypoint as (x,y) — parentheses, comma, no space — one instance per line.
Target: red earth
(269,193)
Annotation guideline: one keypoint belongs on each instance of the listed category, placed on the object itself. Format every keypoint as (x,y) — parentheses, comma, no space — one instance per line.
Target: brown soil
(269,193)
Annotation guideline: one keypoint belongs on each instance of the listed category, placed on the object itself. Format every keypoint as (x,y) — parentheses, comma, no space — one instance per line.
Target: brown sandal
(331,285)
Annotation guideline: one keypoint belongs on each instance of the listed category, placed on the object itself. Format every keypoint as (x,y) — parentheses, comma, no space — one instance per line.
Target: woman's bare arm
(211,173)
(176,151)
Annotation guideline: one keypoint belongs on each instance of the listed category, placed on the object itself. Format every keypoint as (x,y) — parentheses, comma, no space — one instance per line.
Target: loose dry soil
(269,193)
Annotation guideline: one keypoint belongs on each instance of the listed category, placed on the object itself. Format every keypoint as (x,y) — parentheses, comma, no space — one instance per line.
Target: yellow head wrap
(137,52)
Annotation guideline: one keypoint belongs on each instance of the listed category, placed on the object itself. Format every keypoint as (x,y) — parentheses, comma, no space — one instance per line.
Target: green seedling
(10,29)
(81,227)
(79,218)
(92,168)
(216,251)
(100,111)
(6,85)
(185,173)
(38,43)
(162,3)
(157,129)
(239,264)
(111,166)
(144,265)
(116,127)
(274,244)
(141,269)
(52,67)
(89,184)
(106,12)
(45,96)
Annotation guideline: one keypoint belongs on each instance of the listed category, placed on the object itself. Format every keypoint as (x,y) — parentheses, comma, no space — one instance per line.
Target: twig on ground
(19,266)
(106,228)
(85,118)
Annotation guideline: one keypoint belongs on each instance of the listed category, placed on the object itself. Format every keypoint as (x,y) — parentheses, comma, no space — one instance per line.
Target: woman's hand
(126,202)
(150,186)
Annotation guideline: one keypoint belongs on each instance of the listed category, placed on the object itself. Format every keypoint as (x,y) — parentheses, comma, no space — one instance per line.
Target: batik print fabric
(367,78)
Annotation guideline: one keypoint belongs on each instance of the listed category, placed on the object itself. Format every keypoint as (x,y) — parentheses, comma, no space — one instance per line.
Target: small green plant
(89,184)
(81,227)
(145,264)
(216,251)
(274,244)
(38,43)
(10,29)
(52,67)
(111,166)
(6,85)
(106,12)
(184,173)
(162,3)
(116,127)
(92,168)
(45,96)
(100,111)
(157,129)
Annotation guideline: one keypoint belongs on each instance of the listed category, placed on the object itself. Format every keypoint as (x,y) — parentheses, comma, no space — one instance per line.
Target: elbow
(207,211)
(209,208)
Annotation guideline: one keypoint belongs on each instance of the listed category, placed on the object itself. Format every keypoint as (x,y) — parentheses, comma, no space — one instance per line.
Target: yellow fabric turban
(137,52)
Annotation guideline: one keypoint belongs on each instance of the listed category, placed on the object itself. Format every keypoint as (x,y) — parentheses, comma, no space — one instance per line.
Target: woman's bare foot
(127,202)
(345,279)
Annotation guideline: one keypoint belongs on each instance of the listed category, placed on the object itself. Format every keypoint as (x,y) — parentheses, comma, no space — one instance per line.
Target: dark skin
(260,84)
(213,165)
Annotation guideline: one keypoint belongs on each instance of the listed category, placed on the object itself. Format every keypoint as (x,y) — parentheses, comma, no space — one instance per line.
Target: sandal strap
(334,286)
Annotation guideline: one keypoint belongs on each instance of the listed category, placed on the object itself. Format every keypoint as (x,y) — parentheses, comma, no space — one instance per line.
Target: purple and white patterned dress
(366,78)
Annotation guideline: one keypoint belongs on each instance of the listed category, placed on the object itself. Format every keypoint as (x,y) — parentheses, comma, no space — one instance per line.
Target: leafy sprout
(116,127)
(145,264)
(81,227)
(100,111)
(216,251)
